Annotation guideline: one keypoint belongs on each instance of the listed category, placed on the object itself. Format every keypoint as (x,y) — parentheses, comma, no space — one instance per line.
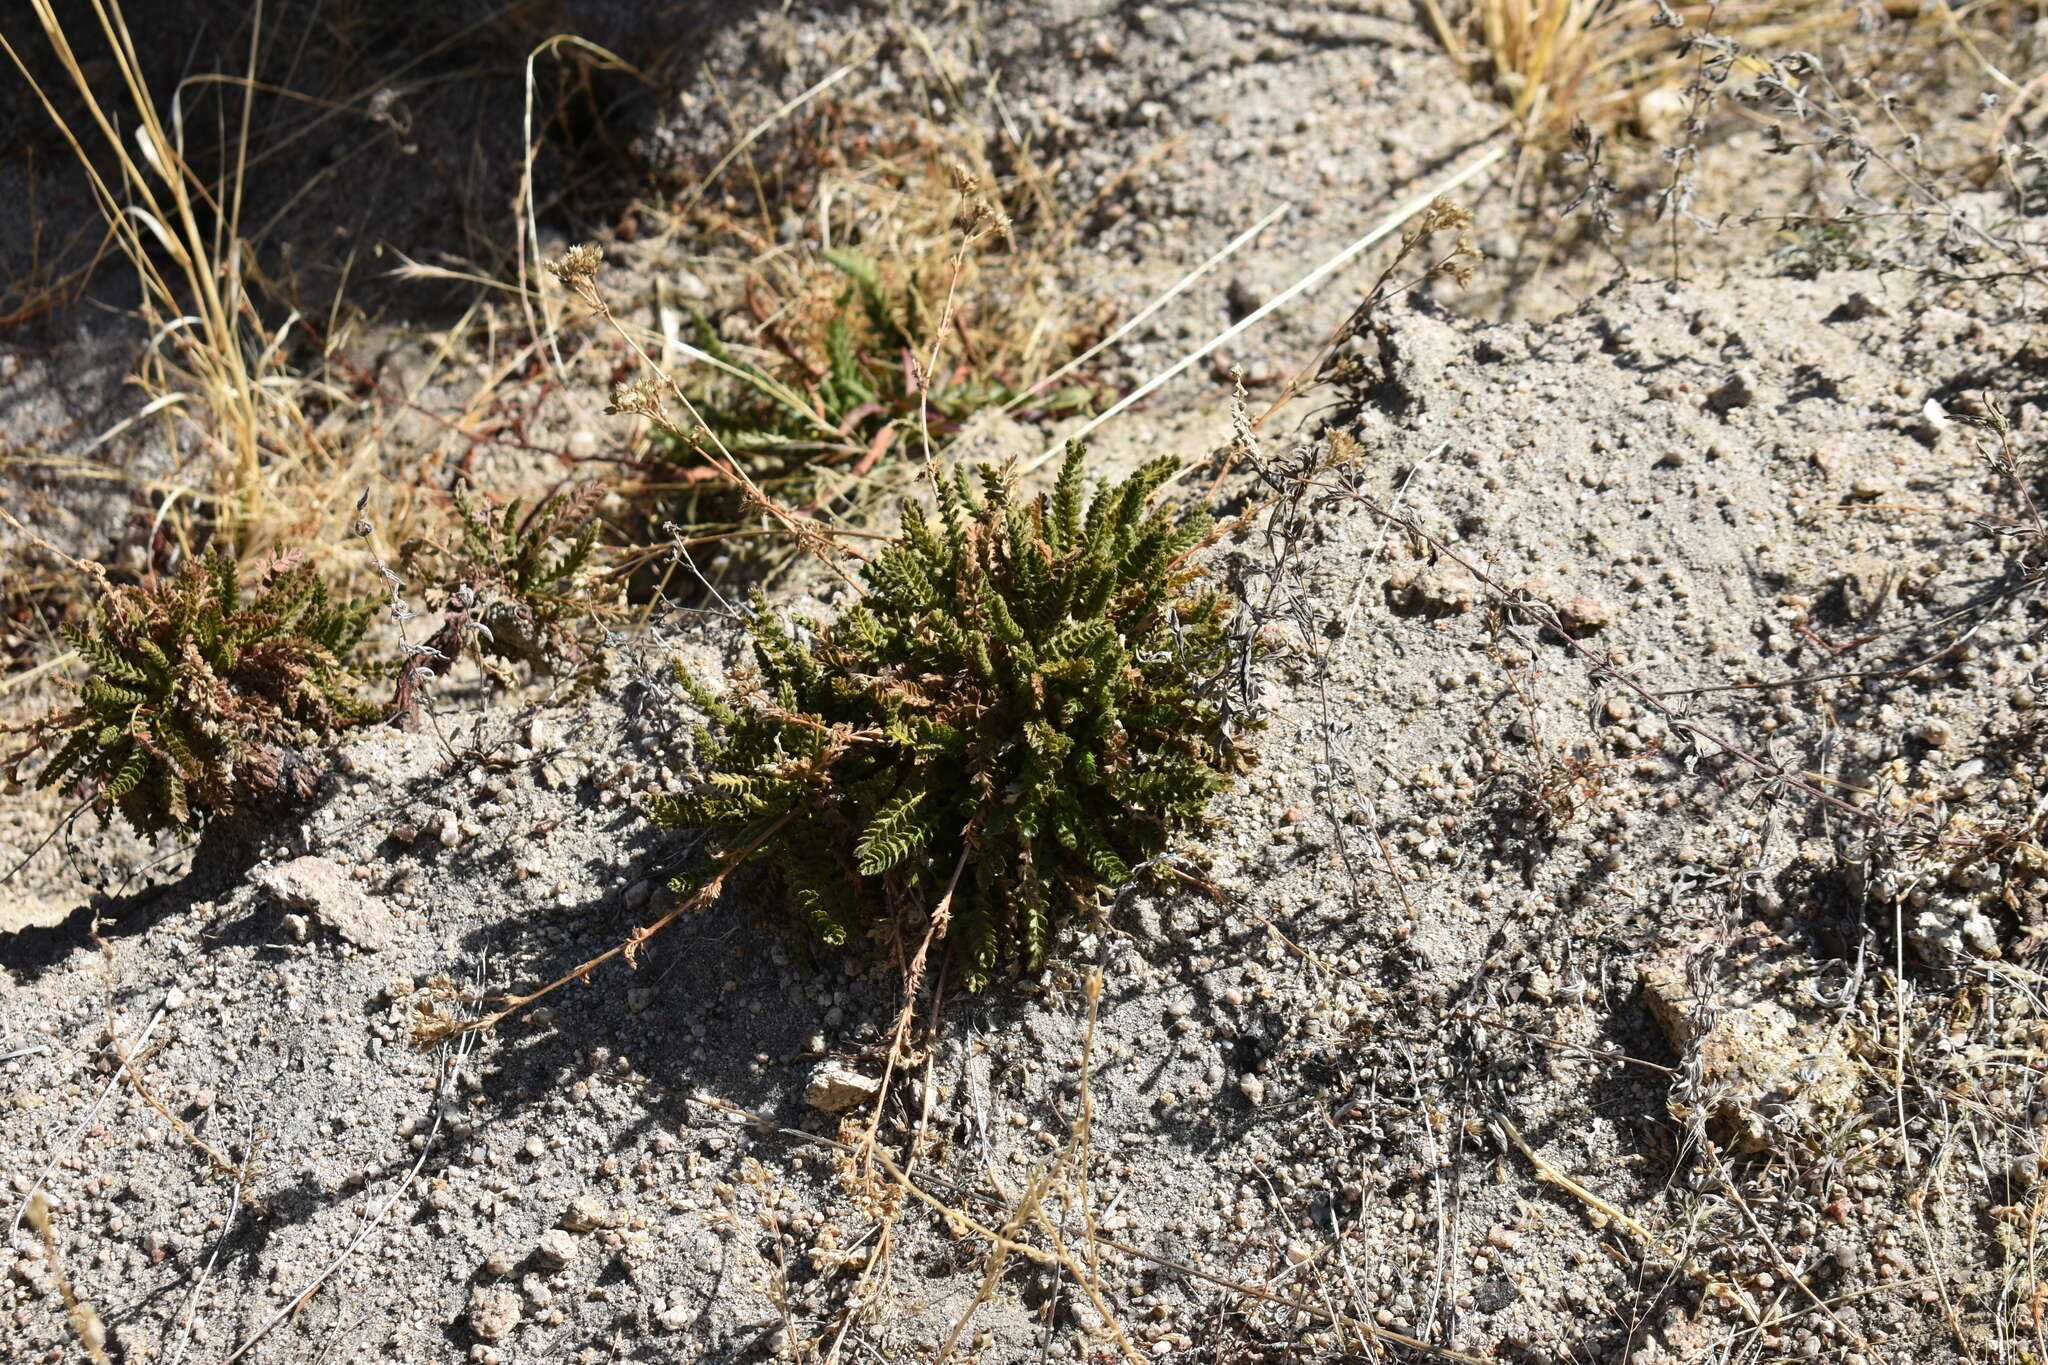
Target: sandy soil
(1621,952)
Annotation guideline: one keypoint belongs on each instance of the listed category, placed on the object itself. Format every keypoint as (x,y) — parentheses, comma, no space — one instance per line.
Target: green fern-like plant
(853,387)
(531,578)
(199,693)
(1019,712)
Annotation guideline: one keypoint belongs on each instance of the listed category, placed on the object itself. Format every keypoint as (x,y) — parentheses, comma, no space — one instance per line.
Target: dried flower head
(436,1019)
(1443,213)
(978,214)
(577,266)
(1444,216)
(641,397)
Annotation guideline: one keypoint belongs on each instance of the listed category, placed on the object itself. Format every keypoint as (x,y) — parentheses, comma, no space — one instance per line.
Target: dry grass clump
(240,445)
(1556,63)
(211,359)
(225,188)
(874,278)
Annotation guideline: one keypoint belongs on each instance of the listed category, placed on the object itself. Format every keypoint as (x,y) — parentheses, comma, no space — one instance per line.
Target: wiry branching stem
(437,1026)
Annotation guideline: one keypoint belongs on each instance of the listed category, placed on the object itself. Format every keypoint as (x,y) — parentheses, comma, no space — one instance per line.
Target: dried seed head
(435,1019)
(989,218)
(641,397)
(978,214)
(577,266)
(1445,216)
(1442,213)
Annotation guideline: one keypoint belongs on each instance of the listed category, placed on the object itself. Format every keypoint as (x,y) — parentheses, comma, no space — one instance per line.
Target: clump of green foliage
(1020,710)
(521,590)
(538,606)
(849,384)
(200,694)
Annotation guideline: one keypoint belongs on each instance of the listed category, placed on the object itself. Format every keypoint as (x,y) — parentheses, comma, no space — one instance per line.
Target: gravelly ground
(1573,984)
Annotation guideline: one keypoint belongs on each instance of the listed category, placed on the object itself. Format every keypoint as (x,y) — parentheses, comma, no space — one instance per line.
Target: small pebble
(1738,392)
(1934,732)
(1585,613)
(493,1313)
(835,1088)
(555,1249)
(585,1213)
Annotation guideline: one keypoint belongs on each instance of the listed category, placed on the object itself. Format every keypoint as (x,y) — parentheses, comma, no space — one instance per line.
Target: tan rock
(322,889)
(493,1313)
(836,1088)
(1584,614)
(1758,1060)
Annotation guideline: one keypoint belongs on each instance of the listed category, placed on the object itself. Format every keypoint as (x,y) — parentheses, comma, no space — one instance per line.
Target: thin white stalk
(1169,296)
(1385,227)
(227,1229)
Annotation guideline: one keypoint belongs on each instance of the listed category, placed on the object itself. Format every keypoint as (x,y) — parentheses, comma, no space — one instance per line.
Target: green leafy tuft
(532,581)
(1020,710)
(838,387)
(199,693)
(520,589)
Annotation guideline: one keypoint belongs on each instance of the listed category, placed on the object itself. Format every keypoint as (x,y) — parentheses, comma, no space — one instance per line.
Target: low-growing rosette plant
(520,590)
(201,697)
(1021,709)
